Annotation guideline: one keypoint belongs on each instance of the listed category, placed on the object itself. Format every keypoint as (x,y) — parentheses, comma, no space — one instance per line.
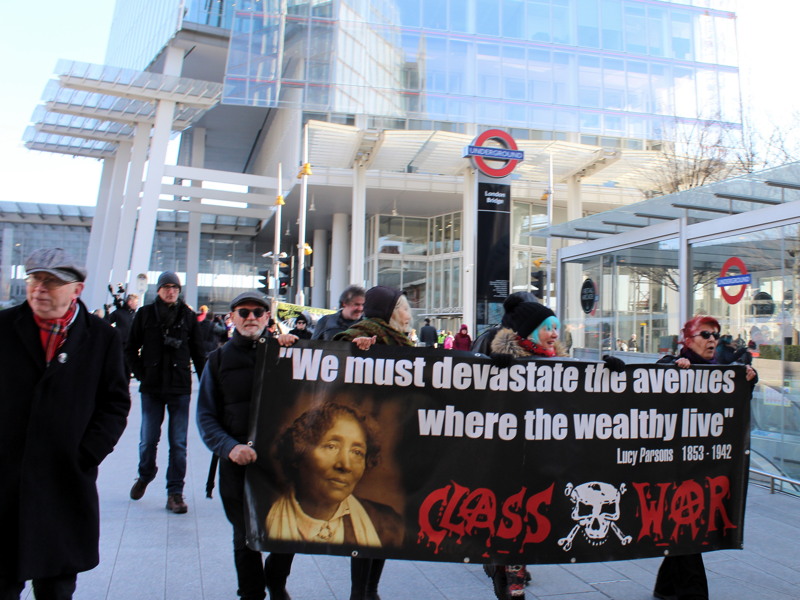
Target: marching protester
(533,331)
(64,406)
(122,319)
(223,409)
(164,338)
(462,341)
(684,577)
(212,332)
(351,303)
(387,321)
(301,328)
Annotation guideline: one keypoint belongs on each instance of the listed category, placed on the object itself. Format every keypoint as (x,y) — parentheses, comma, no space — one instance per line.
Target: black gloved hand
(613,363)
(502,361)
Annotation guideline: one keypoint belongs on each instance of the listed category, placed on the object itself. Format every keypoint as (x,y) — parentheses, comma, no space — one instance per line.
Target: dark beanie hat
(379,302)
(168,277)
(511,303)
(529,315)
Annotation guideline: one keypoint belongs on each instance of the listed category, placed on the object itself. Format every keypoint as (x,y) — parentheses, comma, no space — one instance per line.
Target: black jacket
(58,422)
(122,318)
(159,356)
(226,389)
(428,335)
(329,325)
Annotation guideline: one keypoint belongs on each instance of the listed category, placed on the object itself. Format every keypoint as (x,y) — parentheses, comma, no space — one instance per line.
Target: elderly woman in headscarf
(387,321)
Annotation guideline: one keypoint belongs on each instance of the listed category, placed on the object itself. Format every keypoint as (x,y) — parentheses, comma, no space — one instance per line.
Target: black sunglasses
(707,335)
(245,312)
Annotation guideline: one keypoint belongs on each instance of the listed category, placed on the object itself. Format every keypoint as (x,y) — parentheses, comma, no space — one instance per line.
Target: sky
(36,34)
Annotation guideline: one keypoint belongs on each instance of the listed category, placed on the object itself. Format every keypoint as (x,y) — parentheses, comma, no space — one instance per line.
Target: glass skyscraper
(624,69)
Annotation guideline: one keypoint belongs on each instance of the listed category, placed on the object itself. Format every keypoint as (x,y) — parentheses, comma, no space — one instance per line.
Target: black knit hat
(379,302)
(511,303)
(529,315)
(168,277)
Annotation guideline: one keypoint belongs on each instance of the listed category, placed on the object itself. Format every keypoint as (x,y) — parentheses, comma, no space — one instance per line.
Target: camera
(172,342)
(118,296)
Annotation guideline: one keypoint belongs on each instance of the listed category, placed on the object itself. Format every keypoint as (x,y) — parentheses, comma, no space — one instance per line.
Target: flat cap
(250,297)
(57,262)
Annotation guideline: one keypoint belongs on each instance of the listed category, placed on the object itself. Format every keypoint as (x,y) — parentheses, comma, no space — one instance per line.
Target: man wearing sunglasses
(64,405)
(164,340)
(684,577)
(223,410)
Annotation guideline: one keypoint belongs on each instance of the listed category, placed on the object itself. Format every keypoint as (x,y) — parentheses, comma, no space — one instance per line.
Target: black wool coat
(159,367)
(57,423)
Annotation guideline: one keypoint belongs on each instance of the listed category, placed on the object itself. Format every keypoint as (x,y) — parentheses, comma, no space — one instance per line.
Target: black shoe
(138,489)
(176,504)
(664,596)
(278,594)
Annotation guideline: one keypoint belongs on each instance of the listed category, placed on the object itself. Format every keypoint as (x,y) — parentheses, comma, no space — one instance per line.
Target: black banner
(420,454)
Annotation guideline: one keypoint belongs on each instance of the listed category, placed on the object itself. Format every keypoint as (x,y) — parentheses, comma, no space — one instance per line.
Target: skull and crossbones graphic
(595,510)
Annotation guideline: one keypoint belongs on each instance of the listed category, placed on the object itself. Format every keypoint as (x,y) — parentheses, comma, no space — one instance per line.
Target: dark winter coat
(160,367)
(57,423)
(329,325)
(226,389)
(428,336)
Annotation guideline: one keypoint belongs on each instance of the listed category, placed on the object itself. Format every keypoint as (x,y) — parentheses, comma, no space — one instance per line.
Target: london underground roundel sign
(741,280)
(508,153)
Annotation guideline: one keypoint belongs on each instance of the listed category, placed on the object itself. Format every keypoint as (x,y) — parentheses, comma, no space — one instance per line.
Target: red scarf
(53,332)
(531,348)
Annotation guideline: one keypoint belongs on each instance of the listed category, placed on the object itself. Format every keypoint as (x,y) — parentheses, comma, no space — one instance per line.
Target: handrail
(773,478)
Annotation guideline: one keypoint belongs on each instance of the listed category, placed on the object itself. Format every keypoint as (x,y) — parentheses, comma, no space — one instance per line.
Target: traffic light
(284,278)
(538,279)
(263,279)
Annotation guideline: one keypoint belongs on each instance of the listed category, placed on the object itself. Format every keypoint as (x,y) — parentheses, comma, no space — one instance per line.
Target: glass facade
(620,68)
(229,264)
(637,290)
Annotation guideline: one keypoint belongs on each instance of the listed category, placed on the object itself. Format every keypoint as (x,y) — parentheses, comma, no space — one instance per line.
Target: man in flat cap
(64,405)
(164,338)
(223,410)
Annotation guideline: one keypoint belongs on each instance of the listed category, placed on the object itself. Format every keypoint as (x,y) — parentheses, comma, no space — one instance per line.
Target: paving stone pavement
(147,553)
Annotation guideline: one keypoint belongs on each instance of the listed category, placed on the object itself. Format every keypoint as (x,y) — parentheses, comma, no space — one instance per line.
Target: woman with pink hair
(684,577)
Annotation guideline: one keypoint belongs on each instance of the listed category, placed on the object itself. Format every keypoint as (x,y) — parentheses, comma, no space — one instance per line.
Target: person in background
(223,410)
(300,330)
(351,303)
(633,343)
(462,341)
(684,577)
(725,351)
(202,315)
(164,341)
(413,337)
(483,343)
(621,345)
(122,319)
(427,335)
(387,320)
(448,340)
(212,332)
(440,335)
(64,406)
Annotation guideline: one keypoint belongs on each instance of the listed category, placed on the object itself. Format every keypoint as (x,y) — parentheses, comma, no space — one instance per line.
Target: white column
(340,258)
(99,255)
(6,262)
(106,179)
(469,236)
(130,205)
(569,290)
(162,127)
(197,159)
(320,257)
(359,216)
